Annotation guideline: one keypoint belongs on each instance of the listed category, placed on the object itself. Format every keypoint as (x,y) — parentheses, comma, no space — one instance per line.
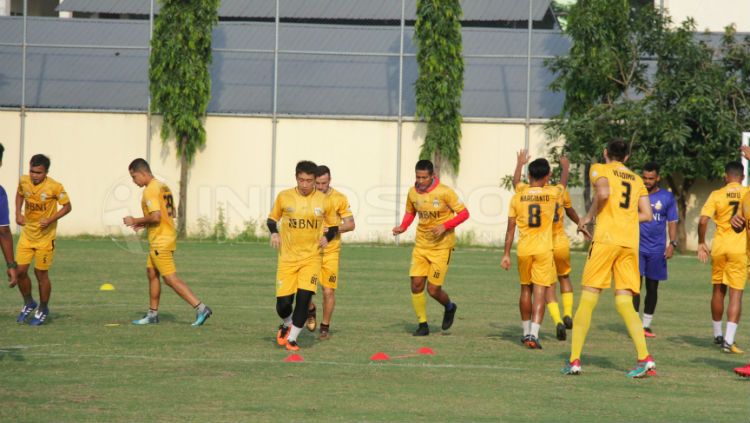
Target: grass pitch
(83,366)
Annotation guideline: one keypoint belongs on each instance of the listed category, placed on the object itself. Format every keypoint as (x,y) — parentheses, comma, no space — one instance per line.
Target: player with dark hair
(620,204)
(728,254)
(654,251)
(561,250)
(330,266)
(532,209)
(158,218)
(38,195)
(6,236)
(440,211)
(297,223)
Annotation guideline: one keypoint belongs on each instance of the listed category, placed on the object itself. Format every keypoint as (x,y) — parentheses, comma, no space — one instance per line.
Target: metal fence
(279,54)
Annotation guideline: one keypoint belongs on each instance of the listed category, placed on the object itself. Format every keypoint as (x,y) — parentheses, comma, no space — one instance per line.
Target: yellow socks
(419,301)
(567,300)
(624,304)
(554,312)
(582,321)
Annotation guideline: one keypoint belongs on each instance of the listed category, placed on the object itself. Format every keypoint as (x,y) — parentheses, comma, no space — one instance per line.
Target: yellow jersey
(617,222)
(564,202)
(341,206)
(157,196)
(301,221)
(534,211)
(721,205)
(434,207)
(40,201)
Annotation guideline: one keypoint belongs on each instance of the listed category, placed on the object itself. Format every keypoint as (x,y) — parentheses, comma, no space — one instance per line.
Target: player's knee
(41,274)
(284,305)
(434,290)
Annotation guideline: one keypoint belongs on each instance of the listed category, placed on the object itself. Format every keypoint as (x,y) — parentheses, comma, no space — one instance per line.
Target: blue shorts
(653,266)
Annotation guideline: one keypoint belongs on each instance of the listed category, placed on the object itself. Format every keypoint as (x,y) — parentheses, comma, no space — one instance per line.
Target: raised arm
(521,159)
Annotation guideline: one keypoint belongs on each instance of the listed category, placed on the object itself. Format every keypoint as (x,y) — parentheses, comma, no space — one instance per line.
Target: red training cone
(426,351)
(294,358)
(380,356)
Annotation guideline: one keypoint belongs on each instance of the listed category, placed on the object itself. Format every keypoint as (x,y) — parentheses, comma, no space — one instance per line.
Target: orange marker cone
(426,351)
(380,356)
(294,358)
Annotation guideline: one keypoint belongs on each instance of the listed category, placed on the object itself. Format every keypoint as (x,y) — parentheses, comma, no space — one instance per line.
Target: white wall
(711,15)
(90,153)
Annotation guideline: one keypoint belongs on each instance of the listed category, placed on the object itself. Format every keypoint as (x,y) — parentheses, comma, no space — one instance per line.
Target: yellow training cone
(107,287)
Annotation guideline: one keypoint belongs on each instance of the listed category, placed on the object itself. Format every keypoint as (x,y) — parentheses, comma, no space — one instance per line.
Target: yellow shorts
(729,269)
(605,260)
(43,253)
(162,261)
(293,276)
(432,263)
(538,269)
(562,255)
(329,271)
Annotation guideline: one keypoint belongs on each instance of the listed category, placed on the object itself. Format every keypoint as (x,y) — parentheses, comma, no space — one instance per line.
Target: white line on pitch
(251,360)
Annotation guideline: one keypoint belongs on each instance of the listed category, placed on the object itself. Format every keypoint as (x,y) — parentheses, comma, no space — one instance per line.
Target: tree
(180,82)
(604,78)
(679,101)
(440,82)
(700,98)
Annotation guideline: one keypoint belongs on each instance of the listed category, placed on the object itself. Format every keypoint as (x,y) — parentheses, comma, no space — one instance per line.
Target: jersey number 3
(625,203)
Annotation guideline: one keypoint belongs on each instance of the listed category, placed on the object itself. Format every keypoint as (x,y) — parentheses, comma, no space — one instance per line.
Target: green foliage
(440,82)
(180,82)
(679,100)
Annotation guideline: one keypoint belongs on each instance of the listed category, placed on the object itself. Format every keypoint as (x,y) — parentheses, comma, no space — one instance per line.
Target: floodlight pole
(23,89)
(527,123)
(148,100)
(400,114)
(274,118)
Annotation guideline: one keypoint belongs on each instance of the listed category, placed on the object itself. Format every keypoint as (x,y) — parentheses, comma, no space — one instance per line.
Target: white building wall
(711,15)
(90,153)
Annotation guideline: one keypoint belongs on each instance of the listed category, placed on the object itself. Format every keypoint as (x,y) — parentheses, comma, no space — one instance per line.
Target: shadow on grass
(695,341)
(12,353)
(507,333)
(592,360)
(724,365)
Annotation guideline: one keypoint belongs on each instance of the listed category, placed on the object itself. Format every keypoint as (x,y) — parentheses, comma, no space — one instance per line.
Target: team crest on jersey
(26,194)
(318,211)
(436,203)
(44,196)
(658,205)
(290,209)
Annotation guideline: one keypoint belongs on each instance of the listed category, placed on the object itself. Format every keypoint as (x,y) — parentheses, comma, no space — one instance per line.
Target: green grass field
(77,368)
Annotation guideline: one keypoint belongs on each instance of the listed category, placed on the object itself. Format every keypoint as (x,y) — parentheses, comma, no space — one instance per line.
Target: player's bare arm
(6,242)
(672,231)
(645,214)
(66,208)
(20,218)
(275,236)
(152,218)
(347,225)
(521,159)
(703,251)
(564,170)
(509,234)
(572,215)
